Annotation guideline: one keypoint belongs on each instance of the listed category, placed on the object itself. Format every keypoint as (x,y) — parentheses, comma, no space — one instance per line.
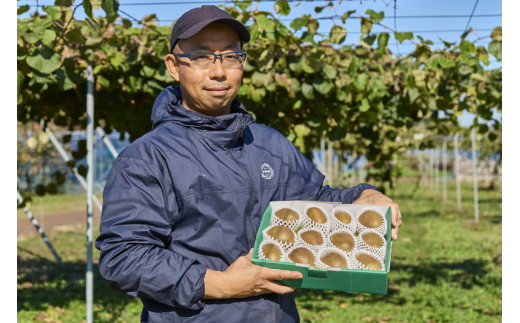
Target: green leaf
(63,3)
(446,62)
(299,22)
(48,37)
(64,81)
(307,91)
(369,40)
(320,9)
(302,130)
(264,23)
(101,80)
(329,72)
(20,77)
(75,36)
(346,15)
(82,170)
(44,61)
(366,26)
(282,7)
(323,87)
(54,13)
(110,7)
(365,106)
(496,34)
(87,7)
(400,37)
(31,38)
(337,34)
(260,79)
(361,81)
(382,42)
(93,41)
(467,47)
(425,42)
(22,9)
(413,94)
(312,26)
(495,48)
(258,94)
(375,16)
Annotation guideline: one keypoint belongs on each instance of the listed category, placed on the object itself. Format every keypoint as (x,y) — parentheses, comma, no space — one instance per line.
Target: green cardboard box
(347,280)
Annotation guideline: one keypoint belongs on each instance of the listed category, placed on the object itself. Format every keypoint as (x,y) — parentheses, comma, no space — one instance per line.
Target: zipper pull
(242,127)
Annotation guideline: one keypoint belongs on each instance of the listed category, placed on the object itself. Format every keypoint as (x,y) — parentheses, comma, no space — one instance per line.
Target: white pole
(90,185)
(38,228)
(323,157)
(107,142)
(66,158)
(457,175)
(437,159)
(475,174)
(330,169)
(444,175)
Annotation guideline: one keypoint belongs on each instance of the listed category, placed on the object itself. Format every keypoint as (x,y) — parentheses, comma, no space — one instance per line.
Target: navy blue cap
(194,20)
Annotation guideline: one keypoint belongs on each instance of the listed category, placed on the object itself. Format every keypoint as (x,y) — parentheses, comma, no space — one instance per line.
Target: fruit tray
(344,247)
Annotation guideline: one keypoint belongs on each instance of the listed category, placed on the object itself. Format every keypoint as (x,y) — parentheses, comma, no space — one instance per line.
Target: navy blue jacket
(189,195)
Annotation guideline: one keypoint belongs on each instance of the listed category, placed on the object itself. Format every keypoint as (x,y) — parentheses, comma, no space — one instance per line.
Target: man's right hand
(243,279)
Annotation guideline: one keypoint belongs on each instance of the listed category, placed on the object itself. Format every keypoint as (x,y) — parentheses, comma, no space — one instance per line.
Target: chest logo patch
(267,171)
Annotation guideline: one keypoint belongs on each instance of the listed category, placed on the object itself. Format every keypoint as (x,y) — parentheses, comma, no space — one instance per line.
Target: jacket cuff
(190,290)
(358,189)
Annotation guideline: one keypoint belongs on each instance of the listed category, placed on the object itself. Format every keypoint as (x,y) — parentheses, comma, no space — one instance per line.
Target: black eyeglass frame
(189,55)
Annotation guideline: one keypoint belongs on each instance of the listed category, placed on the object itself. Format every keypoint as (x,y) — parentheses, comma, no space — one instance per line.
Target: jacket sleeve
(139,209)
(306,181)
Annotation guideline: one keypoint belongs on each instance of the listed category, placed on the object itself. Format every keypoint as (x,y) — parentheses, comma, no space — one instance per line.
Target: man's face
(208,91)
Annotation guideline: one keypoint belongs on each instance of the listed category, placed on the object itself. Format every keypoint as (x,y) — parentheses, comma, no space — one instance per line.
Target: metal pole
(39,229)
(475,174)
(66,158)
(323,157)
(457,175)
(444,169)
(90,184)
(107,142)
(437,173)
(329,163)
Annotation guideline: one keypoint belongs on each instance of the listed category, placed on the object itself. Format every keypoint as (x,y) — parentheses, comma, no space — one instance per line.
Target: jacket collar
(222,130)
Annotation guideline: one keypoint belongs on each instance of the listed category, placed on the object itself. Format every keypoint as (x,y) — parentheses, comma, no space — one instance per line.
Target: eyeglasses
(205,60)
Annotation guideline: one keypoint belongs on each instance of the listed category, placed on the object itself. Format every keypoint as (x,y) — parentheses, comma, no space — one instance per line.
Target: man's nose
(217,70)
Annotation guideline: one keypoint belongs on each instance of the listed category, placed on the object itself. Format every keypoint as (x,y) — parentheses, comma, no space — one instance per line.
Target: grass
(56,203)
(444,268)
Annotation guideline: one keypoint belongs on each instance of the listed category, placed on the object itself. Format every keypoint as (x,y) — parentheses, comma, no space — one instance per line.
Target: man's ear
(171,65)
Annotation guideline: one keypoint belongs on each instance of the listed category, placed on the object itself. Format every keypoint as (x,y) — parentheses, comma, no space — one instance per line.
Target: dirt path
(54,222)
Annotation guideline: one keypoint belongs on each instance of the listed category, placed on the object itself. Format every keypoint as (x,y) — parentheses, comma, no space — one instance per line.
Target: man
(183,203)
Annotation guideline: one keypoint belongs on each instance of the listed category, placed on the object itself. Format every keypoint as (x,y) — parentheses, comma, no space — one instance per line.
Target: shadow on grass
(43,282)
(467,273)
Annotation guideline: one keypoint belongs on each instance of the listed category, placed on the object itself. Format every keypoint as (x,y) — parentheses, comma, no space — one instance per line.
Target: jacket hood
(224,130)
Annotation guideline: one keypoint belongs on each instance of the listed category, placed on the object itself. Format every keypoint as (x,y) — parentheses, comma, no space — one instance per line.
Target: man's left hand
(370,196)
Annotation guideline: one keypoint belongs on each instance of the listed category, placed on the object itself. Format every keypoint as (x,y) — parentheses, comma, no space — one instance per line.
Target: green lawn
(444,268)
(56,203)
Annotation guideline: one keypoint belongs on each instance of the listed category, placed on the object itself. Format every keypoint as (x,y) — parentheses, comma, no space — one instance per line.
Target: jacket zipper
(249,179)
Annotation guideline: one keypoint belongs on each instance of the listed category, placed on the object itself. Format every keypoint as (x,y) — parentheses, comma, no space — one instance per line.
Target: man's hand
(370,196)
(243,279)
